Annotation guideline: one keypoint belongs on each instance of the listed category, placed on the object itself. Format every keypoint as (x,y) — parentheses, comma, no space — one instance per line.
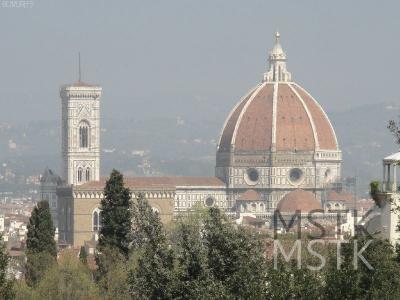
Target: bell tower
(80,132)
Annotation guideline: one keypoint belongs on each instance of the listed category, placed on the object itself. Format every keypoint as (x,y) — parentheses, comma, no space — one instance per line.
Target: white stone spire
(277,63)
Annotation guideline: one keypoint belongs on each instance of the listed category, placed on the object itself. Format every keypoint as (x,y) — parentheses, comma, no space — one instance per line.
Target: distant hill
(176,145)
(365,140)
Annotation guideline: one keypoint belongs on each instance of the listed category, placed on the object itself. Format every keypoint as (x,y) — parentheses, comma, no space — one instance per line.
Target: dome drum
(278,139)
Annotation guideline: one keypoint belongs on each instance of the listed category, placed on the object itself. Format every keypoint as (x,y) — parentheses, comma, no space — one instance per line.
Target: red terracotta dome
(277,115)
(283,115)
(298,200)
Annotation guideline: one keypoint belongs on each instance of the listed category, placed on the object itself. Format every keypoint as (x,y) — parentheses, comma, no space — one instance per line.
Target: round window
(295,175)
(252,176)
(210,201)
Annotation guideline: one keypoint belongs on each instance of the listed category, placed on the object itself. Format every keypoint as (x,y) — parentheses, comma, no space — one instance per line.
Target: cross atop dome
(277,63)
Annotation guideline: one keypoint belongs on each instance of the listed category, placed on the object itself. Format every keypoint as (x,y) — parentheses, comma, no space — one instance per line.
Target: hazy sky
(158,57)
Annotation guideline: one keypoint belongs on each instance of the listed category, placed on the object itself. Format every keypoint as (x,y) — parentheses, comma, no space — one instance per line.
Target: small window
(80,175)
(295,175)
(210,201)
(251,176)
(96,220)
(87,175)
(84,135)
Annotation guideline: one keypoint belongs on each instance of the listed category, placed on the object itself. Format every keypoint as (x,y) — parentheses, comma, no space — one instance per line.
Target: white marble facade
(80,133)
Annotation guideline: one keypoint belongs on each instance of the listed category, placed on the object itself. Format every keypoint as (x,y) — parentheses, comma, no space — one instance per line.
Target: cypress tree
(83,255)
(6,286)
(115,214)
(40,236)
(41,247)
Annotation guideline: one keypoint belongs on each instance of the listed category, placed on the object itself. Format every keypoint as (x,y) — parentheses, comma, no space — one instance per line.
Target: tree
(115,215)
(41,246)
(115,282)
(69,279)
(235,257)
(349,282)
(114,279)
(395,130)
(36,266)
(6,285)
(152,273)
(40,237)
(146,225)
(83,255)
(194,278)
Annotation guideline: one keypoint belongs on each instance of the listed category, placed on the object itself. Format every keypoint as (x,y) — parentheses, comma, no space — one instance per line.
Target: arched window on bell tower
(84,134)
(87,174)
(80,175)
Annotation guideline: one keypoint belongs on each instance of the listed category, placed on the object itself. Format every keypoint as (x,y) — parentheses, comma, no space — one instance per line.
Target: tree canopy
(40,236)
(115,216)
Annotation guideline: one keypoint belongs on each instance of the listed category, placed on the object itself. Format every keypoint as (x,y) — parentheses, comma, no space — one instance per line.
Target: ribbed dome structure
(298,200)
(277,115)
(277,141)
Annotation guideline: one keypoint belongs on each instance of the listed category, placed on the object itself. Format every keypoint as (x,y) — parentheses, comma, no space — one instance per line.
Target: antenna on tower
(79,63)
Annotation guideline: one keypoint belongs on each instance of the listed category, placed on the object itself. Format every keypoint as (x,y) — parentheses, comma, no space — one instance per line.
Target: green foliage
(36,265)
(6,285)
(41,246)
(287,280)
(23,292)
(113,280)
(234,255)
(194,277)
(83,255)
(205,256)
(115,215)
(152,275)
(374,189)
(146,225)
(395,130)
(116,220)
(40,237)
(69,279)
(341,283)
(382,282)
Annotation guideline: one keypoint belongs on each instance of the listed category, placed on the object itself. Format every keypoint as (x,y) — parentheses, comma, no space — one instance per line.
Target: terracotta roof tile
(227,133)
(298,200)
(335,196)
(250,195)
(250,125)
(326,137)
(158,182)
(293,126)
(255,129)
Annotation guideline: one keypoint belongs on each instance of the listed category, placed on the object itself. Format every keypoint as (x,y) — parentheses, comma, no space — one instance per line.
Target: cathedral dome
(298,200)
(277,115)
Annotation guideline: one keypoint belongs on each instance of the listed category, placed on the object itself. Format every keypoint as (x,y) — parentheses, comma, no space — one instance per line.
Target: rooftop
(158,182)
